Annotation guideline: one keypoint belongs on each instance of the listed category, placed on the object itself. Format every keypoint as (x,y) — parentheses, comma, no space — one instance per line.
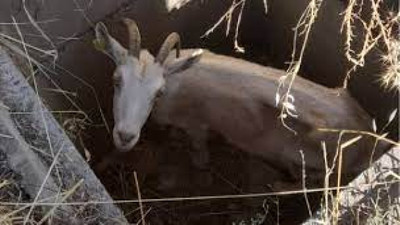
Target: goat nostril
(126,137)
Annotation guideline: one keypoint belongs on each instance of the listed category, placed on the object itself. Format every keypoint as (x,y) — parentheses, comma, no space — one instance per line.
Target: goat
(202,92)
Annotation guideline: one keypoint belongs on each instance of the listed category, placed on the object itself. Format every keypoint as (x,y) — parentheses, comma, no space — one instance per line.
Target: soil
(163,162)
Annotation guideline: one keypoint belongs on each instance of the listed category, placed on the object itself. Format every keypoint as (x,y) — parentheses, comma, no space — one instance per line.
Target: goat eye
(117,82)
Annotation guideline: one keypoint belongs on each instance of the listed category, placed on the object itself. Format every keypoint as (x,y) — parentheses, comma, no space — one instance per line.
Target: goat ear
(107,44)
(181,64)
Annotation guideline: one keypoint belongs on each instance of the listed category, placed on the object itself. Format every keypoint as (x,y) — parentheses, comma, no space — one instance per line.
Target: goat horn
(134,37)
(170,42)
(107,44)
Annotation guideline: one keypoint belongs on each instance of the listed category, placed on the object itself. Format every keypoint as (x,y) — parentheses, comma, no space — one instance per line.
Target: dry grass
(376,28)
(391,77)
(377,32)
(301,32)
(10,191)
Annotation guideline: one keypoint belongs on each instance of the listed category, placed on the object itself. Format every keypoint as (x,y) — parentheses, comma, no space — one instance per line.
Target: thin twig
(139,197)
(196,198)
(379,137)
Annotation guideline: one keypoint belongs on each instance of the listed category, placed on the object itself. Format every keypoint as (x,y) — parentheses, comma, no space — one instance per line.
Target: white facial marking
(136,85)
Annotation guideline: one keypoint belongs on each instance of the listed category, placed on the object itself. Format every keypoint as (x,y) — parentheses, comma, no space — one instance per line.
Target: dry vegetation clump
(391,77)
(11,192)
(379,25)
